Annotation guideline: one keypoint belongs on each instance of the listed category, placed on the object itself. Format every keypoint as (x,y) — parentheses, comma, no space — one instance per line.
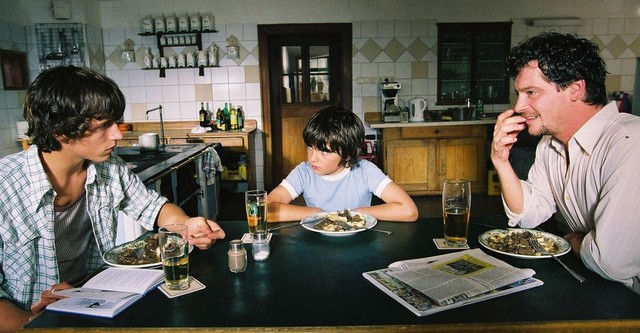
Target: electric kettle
(417,106)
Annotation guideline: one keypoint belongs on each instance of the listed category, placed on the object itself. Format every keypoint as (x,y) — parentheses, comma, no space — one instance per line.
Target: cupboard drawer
(436,132)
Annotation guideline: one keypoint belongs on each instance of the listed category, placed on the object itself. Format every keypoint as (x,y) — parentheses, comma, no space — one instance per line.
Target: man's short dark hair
(336,129)
(563,59)
(65,100)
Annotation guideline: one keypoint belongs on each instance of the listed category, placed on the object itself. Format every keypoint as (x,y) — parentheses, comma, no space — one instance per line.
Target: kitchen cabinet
(419,159)
(471,62)
(193,38)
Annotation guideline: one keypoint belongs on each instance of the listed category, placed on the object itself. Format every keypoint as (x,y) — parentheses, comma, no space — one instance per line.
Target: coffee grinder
(390,107)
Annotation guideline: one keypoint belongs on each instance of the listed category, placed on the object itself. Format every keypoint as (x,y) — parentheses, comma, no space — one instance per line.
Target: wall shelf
(162,42)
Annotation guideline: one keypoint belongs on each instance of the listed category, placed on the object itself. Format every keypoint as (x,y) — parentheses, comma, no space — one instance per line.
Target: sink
(140,160)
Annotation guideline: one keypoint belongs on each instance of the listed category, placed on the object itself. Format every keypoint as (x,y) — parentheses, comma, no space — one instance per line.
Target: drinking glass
(456,209)
(256,204)
(174,251)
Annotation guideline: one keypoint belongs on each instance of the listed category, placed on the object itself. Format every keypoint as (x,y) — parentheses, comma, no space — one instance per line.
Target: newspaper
(434,284)
(468,274)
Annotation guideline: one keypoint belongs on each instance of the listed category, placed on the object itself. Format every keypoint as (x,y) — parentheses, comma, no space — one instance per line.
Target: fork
(538,248)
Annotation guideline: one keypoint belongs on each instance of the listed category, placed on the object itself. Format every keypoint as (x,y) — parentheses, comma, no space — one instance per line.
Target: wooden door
(303,69)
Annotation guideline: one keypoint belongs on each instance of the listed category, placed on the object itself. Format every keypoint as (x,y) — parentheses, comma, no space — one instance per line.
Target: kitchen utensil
(417,106)
(149,142)
(461,113)
(381,231)
(536,246)
(313,221)
(59,54)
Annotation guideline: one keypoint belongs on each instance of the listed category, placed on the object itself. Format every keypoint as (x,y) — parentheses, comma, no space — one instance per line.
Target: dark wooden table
(314,282)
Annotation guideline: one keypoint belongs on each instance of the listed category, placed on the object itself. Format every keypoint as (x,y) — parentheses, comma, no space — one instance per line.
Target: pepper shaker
(260,246)
(237,256)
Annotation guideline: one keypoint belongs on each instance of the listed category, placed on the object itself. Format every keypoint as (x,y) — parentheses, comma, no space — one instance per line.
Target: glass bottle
(260,246)
(237,256)
(233,118)
(240,117)
(219,116)
(202,114)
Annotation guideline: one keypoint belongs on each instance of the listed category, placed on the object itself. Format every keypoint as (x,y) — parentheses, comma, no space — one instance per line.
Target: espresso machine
(389,100)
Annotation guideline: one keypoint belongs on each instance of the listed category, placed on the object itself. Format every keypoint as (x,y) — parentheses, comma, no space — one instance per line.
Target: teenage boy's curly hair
(65,100)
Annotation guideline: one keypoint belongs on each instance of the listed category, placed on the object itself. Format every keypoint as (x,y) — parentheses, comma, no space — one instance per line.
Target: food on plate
(517,242)
(140,253)
(341,221)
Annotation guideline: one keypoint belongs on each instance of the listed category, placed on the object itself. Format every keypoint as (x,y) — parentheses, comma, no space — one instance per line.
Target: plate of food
(139,253)
(514,242)
(338,223)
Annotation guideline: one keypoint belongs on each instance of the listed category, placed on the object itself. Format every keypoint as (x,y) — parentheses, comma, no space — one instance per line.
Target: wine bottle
(233,115)
(240,117)
(227,117)
(203,116)
(219,116)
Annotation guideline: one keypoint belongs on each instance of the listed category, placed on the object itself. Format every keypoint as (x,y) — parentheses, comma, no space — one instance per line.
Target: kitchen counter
(150,166)
(179,132)
(380,124)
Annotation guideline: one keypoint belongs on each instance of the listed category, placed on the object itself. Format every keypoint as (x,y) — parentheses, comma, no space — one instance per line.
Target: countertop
(150,166)
(380,124)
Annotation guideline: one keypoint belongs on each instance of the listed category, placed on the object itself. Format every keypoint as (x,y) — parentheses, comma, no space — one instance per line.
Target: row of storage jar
(184,59)
(181,23)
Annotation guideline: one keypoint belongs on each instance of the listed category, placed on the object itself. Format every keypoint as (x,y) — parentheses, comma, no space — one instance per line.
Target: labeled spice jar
(260,246)
(237,256)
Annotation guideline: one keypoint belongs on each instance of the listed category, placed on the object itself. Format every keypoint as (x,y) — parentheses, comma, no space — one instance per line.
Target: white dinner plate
(562,245)
(370,222)
(111,257)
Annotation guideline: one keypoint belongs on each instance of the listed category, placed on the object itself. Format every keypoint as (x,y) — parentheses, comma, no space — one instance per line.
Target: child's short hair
(336,129)
(64,100)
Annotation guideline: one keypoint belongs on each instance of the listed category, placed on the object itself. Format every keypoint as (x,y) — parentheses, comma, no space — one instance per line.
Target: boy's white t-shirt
(351,188)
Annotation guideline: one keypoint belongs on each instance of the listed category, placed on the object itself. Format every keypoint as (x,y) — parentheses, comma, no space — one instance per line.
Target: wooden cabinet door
(463,158)
(412,164)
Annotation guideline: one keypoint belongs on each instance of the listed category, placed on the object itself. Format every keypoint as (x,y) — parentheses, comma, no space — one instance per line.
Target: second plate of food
(513,242)
(339,223)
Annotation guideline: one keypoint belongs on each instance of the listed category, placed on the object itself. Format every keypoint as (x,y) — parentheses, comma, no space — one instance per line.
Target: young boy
(334,178)
(59,200)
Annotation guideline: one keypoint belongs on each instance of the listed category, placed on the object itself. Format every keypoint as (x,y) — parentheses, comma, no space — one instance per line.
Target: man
(60,199)
(586,165)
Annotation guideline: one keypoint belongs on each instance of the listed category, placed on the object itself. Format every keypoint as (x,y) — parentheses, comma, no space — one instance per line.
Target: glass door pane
(319,73)
(291,74)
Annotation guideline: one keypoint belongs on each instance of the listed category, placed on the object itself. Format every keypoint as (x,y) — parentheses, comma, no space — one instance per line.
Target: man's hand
(47,297)
(203,232)
(575,239)
(505,136)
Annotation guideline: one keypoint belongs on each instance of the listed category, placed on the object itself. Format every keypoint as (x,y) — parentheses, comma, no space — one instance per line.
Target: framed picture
(14,70)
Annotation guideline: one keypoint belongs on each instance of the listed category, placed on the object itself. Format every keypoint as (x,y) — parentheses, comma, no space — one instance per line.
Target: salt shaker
(237,256)
(260,246)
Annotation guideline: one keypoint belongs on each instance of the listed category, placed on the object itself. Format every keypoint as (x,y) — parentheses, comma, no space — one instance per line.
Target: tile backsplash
(405,50)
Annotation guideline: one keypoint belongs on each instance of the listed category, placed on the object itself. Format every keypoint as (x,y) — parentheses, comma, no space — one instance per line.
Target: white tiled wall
(182,90)
(380,49)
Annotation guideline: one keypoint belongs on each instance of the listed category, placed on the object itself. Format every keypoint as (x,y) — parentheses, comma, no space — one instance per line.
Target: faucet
(159,108)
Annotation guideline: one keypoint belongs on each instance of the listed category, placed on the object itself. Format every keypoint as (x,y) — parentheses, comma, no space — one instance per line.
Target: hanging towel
(211,165)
